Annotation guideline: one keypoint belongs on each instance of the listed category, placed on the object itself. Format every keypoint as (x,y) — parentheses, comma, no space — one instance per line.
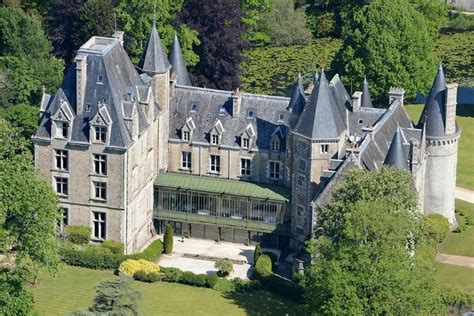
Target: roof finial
(154,13)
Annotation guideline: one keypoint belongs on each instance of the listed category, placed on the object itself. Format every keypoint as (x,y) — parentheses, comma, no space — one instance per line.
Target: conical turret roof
(433,114)
(320,118)
(154,60)
(395,155)
(178,65)
(297,100)
(366,98)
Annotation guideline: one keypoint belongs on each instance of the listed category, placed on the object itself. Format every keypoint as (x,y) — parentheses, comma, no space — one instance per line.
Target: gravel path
(456,260)
(465,195)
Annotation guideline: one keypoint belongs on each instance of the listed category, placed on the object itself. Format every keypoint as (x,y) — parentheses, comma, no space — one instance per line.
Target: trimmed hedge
(224,267)
(114,246)
(283,287)
(437,227)
(168,239)
(98,257)
(175,275)
(78,235)
(130,266)
(263,268)
(257,253)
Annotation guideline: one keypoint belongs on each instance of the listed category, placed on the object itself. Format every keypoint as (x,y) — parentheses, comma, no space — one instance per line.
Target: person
(182,239)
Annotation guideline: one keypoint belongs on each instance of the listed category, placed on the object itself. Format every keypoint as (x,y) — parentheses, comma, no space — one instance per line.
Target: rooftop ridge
(194,88)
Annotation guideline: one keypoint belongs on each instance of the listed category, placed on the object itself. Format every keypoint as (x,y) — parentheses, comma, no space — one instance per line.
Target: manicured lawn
(74,288)
(455,276)
(465,120)
(462,243)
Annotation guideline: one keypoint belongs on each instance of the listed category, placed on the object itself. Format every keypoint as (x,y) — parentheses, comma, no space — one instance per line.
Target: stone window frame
(324,149)
(99,218)
(246,168)
(99,190)
(100,134)
(62,186)
(276,173)
(186,160)
(215,166)
(61,159)
(99,162)
(62,129)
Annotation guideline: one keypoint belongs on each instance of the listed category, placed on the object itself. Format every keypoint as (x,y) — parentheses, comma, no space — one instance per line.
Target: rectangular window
(299,210)
(245,167)
(215,164)
(186,136)
(100,134)
(100,189)
(245,143)
(300,180)
(324,149)
(98,220)
(275,170)
(301,147)
(100,164)
(214,139)
(61,185)
(61,157)
(275,145)
(186,160)
(301,165)
(62,129)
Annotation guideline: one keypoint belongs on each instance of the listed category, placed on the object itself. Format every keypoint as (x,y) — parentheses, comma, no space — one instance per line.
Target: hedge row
(175,275)
(99,257)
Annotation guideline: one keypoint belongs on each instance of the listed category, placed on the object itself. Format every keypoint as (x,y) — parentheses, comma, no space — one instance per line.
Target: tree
(255,29)
(263,267)
(285,24)
(218,23)
(23,116)
(26,58)
(135,18)
(94,18)
(363,260)
(224,267)
(390,43)
(114,297)
(257,253)
(168,239)
(28,217)
(61,18)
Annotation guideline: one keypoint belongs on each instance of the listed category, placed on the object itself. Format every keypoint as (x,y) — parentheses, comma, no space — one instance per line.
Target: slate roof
(297,100)
(366,98)
(118,90)
(212,105)
(178,65)
(396,156)
(365,117)
(154,60)
(322,117)
(433,114)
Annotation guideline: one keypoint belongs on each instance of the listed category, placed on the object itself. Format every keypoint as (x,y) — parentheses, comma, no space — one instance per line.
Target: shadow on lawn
(465,110)
(264,303)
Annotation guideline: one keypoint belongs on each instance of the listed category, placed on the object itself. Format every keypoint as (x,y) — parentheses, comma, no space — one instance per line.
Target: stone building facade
(129,149)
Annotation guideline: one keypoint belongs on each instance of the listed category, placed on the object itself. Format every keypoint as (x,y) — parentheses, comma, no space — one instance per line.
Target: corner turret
(178,65)
(396,156)
(154,60)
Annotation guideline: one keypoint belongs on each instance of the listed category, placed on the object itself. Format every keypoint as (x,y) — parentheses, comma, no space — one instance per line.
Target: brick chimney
(450,108)
(236,102)
(356,101)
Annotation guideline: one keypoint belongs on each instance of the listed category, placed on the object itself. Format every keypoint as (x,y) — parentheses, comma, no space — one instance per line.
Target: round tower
(438,121)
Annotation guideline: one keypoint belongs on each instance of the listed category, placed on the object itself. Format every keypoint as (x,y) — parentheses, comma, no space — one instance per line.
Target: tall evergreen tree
(390,42)
(219,23)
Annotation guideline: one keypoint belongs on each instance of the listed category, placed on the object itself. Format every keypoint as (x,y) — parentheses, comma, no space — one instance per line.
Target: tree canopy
(391,43)
(219,24)
(28,217)
(363,260)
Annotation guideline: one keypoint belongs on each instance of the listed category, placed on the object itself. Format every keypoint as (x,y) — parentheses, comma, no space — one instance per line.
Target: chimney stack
(396,93)
(236,102)
(119,35)
(450,108)
(81,76)
(356,101)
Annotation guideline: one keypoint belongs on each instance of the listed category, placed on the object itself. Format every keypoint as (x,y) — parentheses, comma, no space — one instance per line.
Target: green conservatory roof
(225,186)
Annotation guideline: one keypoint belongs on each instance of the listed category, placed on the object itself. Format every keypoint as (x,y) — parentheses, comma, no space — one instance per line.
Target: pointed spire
(395,155)
(434,110)
(366,98)
(297,100)
(154,60)
(178,65)
(321,119)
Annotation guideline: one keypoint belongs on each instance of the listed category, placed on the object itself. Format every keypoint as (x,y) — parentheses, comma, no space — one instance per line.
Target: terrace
(222,203)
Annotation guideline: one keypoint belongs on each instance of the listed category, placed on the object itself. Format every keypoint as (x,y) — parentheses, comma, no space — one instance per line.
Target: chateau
(129,149)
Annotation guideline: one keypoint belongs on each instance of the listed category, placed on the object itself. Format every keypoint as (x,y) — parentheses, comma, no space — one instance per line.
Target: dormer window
(88,107)
(186,136)
(245,143)
(100,134)
(250,114)
(194,107)
(99,79)
(275,145)
(281,117)
(62,129)
(214,139)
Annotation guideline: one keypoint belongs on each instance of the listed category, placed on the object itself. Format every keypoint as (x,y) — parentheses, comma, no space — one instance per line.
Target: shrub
(114,246)
(282,287)
(211,280)
(147,277)
(242,286)
(172,275)
(168,239)
(190,278)
(151,253)
(224,267)
(130,266)
(257,253)
(457,298)
(437,227)
(263,268)
(78,235)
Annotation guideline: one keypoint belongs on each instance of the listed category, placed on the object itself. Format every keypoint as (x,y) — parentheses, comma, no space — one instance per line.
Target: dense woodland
(259,46)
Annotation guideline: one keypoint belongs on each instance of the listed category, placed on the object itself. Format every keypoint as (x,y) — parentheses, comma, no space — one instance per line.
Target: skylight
(194,107)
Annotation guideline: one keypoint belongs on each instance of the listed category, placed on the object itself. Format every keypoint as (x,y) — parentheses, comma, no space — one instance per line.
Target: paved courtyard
(210,250)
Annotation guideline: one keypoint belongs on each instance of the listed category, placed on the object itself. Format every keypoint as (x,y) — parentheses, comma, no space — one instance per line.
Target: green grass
(462,243)
(74,288)
(455,276)
(465,120)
